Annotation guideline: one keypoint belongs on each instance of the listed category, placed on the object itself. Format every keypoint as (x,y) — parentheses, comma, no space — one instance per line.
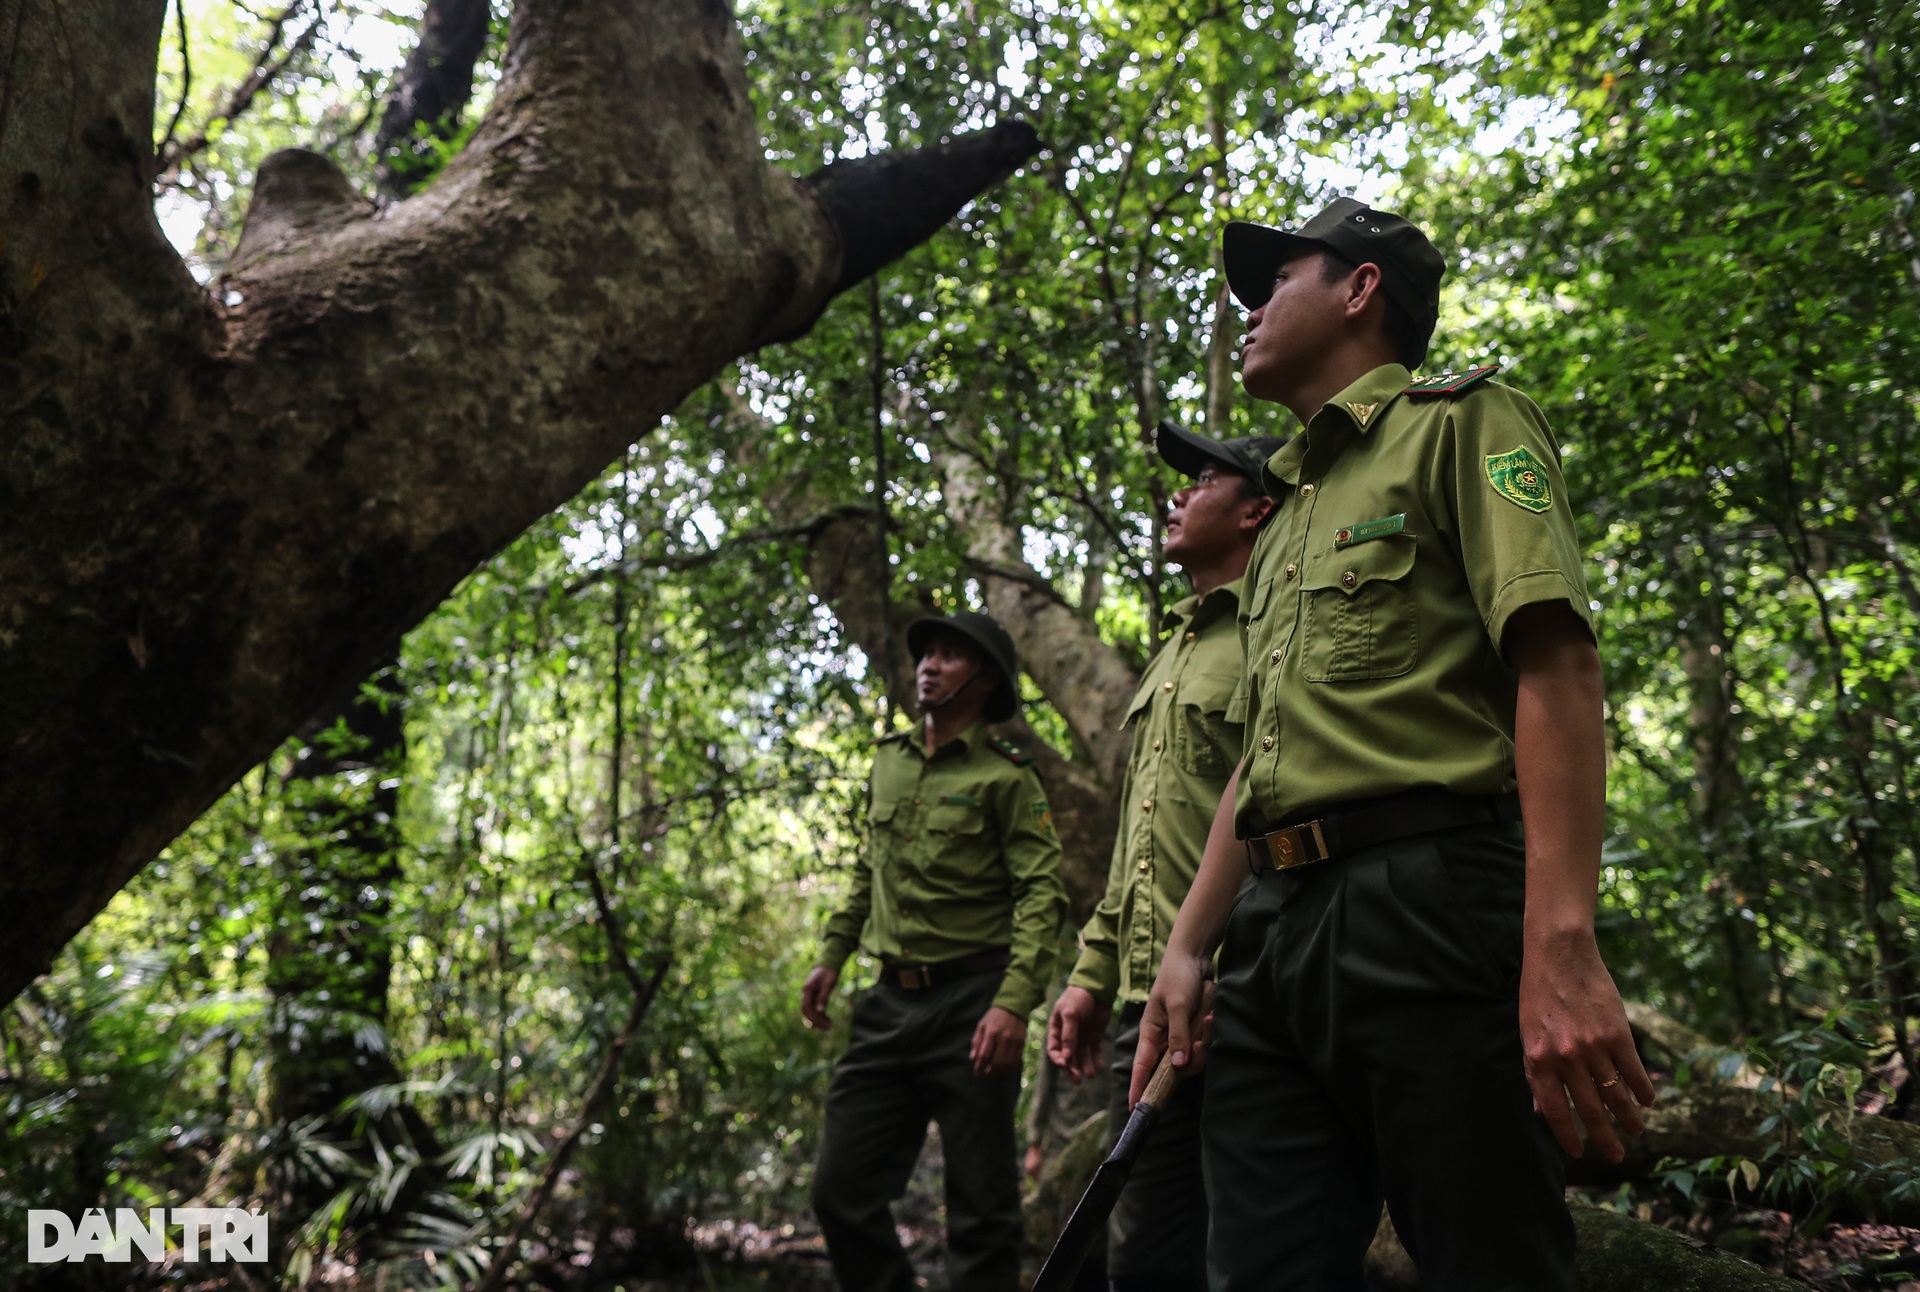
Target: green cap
(1410,267)
(1189,453)
(985,632)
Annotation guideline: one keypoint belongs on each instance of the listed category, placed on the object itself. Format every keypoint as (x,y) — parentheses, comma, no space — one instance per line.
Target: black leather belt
(1359,826)
(918,977)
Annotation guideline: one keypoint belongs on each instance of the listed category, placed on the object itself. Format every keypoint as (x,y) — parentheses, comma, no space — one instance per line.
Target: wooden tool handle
(1160,1085)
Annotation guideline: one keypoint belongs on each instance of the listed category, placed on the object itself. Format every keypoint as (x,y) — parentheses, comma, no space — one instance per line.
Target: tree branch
(266,69)
(237,506)
(186,76)
(698,558)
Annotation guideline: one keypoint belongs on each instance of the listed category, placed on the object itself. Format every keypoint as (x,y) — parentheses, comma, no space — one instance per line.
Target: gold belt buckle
(915,978)
(1297,845)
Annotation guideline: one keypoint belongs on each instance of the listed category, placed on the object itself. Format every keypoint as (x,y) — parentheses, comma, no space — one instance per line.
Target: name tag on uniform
(1348,535)
(959,800)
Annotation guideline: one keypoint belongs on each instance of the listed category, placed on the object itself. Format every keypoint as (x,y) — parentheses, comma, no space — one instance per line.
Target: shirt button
(1156,746)
(1275,657)
(1146,805)
(1266,742)
(1166,686)
(1347,580)
(1292,570)
(1191,636)
(1306,491)
(916,802)
(1143,867)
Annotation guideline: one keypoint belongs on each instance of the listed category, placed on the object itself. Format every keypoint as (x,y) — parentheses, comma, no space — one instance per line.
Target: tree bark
(217,514)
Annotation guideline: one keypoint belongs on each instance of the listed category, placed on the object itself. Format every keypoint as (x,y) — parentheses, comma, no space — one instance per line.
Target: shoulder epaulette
(1451,383)
(1010,751)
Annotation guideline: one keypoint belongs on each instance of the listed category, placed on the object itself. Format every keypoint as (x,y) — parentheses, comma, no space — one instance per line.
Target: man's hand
(999,1043)
(1179,1017)
(815,993)
(1036,1160)
(1578,1046)
(1074,1030)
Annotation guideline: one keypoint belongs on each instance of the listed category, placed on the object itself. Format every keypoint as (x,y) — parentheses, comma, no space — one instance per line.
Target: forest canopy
(510,944)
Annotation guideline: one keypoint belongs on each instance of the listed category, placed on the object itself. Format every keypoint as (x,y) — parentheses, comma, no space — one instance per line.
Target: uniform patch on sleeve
(1520,478)
(1010,751)
(1043,815)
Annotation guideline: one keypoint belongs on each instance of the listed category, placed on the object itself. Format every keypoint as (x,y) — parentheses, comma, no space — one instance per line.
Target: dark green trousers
(1367,1045)
(1157,1235)
(907,1065)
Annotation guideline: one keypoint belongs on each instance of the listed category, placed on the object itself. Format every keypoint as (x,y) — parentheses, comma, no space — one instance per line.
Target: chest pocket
(952,819)
(1360,620)
(1204,742)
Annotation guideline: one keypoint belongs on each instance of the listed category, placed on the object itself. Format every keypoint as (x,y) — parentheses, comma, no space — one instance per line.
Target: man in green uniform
(1410,977)
(959,895)
(1184,748)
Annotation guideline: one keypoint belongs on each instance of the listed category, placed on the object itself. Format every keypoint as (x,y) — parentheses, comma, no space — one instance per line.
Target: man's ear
(1363,288)
(1258,509)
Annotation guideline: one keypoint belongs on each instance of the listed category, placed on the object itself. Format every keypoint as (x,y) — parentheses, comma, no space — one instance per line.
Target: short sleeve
(1515,522)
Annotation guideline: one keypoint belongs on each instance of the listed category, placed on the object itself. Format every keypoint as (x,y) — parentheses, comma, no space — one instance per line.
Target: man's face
(951,662)
(1288,336)
(1207,518)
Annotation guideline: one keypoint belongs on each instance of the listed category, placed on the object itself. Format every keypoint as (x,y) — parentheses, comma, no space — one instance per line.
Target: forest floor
(790,1256)
(1840,1258)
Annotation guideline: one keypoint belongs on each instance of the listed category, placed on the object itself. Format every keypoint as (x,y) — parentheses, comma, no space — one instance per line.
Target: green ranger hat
(1189,453)
(985,632)
(1410,268)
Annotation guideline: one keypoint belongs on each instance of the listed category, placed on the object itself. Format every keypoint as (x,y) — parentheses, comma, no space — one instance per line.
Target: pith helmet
(994,641)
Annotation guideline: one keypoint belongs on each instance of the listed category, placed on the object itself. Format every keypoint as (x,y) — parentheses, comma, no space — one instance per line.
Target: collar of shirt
(1203,610)
(915,739)
(1358,408)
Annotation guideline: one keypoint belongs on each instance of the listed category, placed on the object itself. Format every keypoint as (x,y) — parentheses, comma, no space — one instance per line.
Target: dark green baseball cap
(1410,267)
(985,632)
(1189,453)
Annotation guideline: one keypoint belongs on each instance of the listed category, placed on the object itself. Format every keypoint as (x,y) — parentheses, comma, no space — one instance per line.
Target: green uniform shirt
(1184,750)
(1412,527)
(962,859)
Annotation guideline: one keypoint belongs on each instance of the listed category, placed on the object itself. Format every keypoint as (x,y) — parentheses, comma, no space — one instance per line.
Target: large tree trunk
(331,955)
(218,513)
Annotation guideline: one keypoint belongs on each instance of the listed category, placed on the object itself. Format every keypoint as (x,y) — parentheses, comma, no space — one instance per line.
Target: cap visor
(1254,253)
(1189,454)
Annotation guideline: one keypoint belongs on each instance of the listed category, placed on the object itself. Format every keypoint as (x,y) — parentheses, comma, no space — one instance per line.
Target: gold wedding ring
(1614,1080)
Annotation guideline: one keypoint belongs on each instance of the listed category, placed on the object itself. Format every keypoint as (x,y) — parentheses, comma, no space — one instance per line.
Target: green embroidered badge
(1521,479)
(1043,815)
(1348,535)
